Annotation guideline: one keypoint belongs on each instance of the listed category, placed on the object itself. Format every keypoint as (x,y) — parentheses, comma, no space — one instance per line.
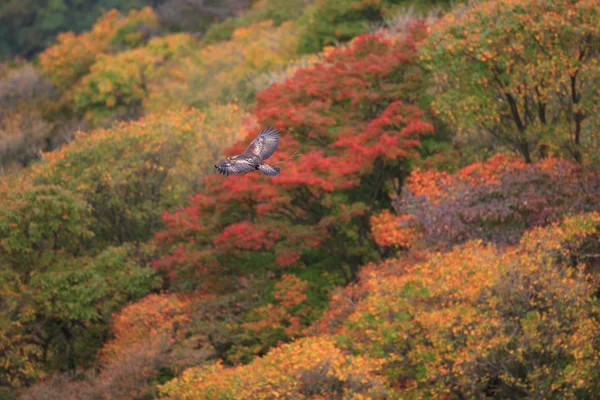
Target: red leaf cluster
(495,200)
(347,125)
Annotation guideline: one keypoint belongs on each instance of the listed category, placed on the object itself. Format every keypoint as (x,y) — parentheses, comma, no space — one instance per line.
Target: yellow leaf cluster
(521,314)
(73,55)
(118,83)
(223,71)
(310,368)
(184,143)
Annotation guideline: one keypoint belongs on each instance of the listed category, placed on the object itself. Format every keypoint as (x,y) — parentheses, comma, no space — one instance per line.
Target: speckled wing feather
(236,166)
(265,144)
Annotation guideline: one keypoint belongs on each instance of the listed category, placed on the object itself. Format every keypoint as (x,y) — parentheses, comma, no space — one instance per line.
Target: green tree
(277,11)
(56,294)
(327,22)
(131,173)
(38,222)
(524,72)
(117,85)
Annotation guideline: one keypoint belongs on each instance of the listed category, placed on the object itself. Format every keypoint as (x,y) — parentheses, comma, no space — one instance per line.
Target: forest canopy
(434,231)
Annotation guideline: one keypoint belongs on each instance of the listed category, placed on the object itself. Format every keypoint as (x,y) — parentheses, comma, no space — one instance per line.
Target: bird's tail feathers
(269,169)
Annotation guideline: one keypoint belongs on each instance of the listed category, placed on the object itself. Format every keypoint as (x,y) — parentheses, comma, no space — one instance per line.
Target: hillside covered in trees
(434,233)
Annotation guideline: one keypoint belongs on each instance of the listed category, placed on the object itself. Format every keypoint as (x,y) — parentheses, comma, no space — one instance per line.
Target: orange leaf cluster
(522,315)
(521,71)
(73,55)
(154,318)
(310,368)
(391,230)
(287,310)
(495,200)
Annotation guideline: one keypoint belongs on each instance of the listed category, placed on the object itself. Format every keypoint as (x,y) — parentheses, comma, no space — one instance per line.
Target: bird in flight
(253,158)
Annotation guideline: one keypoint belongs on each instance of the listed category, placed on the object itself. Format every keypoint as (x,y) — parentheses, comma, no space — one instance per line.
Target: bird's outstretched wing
(236,166)
(265,144)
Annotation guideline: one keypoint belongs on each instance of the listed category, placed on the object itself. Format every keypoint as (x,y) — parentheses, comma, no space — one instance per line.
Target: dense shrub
(478,321)
(310,368)
(131,173)
(496,200)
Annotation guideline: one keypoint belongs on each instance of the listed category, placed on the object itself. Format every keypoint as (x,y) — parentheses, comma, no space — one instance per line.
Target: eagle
(253,158)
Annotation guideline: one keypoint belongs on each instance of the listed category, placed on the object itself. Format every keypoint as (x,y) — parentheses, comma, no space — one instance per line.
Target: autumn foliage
(136,170)
(224,71)
(478,319)
(496,200)
(73,55)
(434,231)
(310,368)
(149,319)
(523,72)
(144,334)
(118,85)
(353,129)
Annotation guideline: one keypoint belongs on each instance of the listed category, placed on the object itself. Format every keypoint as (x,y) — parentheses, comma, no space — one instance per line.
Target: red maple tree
(349,127)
